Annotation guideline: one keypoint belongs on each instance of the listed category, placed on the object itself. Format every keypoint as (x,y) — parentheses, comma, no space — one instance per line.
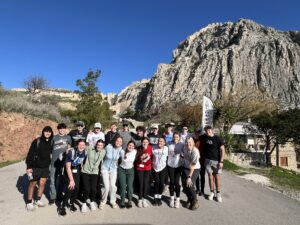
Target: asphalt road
(244,203)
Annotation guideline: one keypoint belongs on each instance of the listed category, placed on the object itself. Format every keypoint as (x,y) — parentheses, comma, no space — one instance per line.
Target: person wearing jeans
(143,168)
(109,172)
(89,174)
(159,163)
(126,173)
(175,169)
(61,142)
(191,171)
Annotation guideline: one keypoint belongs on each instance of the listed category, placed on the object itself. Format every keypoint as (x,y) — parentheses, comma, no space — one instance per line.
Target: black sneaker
(159,202)
(72,208)
(122,206)
(155,202)
(51,202)
(188,204)
(194,205)
(129,205)
(62,211)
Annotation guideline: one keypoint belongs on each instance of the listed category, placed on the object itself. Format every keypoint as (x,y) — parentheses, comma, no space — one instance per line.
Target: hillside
(220,58)
(17,132)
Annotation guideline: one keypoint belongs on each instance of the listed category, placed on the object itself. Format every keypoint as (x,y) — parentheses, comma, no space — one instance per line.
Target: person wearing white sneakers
(89,174)
(143,169)
(159,163)
(214,152)
(175,169)
(126,174)
(109,171)
(38,161)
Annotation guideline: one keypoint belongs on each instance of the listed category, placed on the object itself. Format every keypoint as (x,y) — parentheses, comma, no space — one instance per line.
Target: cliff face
(220,58)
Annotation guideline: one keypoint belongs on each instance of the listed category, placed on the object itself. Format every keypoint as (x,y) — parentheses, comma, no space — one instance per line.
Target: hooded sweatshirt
(39,155)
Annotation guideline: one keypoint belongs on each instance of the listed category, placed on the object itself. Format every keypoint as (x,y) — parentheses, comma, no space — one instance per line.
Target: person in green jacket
(89,174)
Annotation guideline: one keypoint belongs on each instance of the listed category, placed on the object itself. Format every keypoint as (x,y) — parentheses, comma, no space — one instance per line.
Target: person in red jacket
(144,166)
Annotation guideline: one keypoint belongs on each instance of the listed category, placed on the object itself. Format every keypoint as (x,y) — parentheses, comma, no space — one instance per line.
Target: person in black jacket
(38,161)
(80,133)
(112,135)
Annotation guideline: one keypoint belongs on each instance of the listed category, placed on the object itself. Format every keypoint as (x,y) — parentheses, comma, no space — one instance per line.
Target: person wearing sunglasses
(80,133)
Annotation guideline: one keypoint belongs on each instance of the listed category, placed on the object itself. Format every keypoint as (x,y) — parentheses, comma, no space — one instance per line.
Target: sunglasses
(79,125)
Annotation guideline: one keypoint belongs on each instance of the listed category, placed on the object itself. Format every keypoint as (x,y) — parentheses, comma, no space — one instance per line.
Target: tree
(240,105)
(278,127)
(91,107)
(35,83)
(190,115)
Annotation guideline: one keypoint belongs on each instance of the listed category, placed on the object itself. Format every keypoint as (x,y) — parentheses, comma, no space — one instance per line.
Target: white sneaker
(84,208)
(172,205)
(30,207)
(140,203)
(145,204)
(102,204)
(114,205)
(39,203)
(211,196)
(219,198)
(93,206)
(177,203)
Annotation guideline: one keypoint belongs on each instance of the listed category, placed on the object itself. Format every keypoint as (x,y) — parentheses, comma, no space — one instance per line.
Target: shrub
(21,103)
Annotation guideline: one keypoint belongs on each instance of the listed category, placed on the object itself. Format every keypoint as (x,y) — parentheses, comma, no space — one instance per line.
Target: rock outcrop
(219,59)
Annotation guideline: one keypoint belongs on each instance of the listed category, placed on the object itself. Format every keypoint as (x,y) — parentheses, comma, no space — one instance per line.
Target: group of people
(81,162)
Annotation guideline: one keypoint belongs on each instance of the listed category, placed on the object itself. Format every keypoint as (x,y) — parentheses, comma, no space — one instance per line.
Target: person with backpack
(109,172)
(89,174)
(143,168)
(159,163)
(38,161)
(61,142)
(73,167)
(126,173)
(175,169)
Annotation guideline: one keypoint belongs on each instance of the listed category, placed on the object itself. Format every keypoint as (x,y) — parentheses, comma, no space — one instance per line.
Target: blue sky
(125,39)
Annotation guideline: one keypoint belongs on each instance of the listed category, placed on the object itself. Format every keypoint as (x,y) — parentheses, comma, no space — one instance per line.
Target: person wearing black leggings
(74,161)
(143,168)
(175,169)
(159,163)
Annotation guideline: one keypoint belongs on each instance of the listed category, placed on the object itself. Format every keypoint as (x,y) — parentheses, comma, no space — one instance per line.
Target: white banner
(207,112)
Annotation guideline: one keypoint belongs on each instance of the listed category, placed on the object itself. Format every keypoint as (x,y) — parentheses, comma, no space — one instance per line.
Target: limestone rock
(218,59)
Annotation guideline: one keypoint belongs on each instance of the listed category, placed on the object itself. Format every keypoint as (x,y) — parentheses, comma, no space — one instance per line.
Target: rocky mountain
(219,59)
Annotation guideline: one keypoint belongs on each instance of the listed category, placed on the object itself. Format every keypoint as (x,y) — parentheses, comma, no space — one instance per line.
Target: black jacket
(39,154)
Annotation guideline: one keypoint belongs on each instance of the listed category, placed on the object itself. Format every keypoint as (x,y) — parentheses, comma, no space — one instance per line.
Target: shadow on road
(22,186)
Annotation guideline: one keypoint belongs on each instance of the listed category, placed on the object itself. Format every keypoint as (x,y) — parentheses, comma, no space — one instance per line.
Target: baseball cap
(97,125)
(80,123)
(154,126)
(125,122)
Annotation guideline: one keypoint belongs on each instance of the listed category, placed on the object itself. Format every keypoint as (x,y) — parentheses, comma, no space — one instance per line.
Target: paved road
(243,203)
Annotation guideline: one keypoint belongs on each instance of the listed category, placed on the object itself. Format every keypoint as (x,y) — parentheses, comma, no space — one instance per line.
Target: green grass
(234,168)
(7,163)
(284,178)
(280,177)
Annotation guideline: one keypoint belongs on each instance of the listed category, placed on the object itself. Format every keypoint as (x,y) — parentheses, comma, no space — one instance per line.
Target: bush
(21,103)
